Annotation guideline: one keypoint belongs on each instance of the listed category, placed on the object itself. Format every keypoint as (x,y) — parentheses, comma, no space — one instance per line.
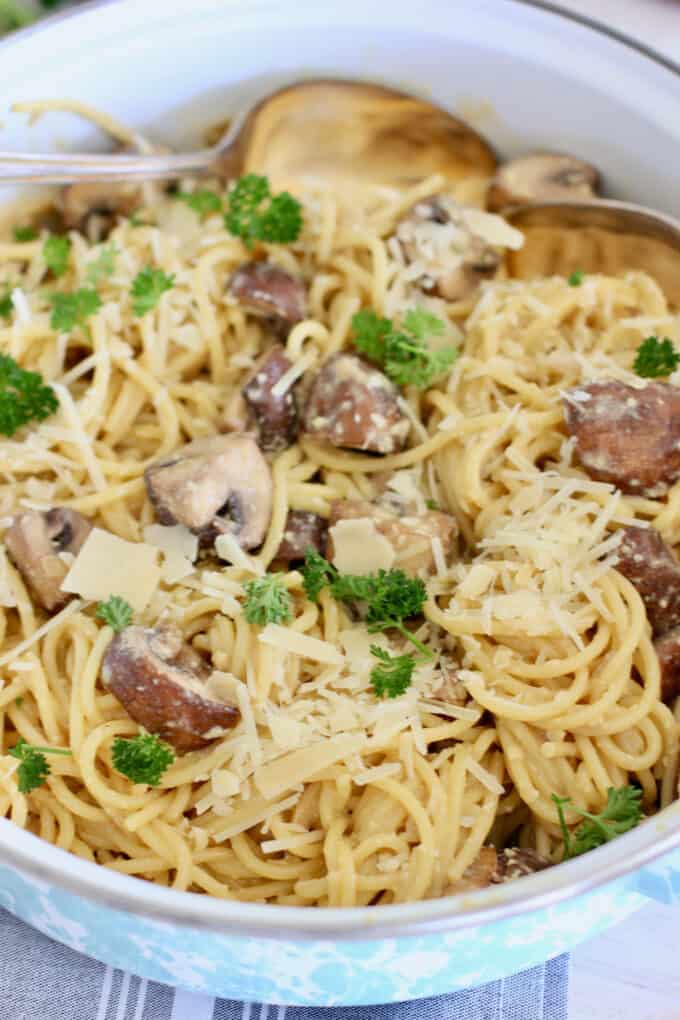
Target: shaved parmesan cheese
(178,546)
(227,548)
(39,634)
(298,766)
(476,582)
(492,229)
(372,775)
(282,385)
(224,783)
(484,776)
(359,548)
(107,565)
(252,813)
(21,306)
(273,846)
(304,645)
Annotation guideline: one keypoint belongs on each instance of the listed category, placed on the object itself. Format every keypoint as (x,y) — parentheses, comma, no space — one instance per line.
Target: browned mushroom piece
(217,485)
(668,651)
(542,177)
(653,569)
(161,682)
(353,404)
(271,293)
(515,862)
(94,206)
(34,541)
(449,689)
(626,435)
(304,530)
(410,536)
(478,875)
(455,260)
(275,414)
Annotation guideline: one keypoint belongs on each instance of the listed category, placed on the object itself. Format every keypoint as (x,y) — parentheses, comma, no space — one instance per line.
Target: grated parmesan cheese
(359,548)
(304,645)
(299,766)
(178,546)
(227,548)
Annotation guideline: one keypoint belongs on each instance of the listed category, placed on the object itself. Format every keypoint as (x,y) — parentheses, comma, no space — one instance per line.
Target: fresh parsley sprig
(24,396)
(254,214)
(575,279)
(202,201)
(387,598)
(267,601)
(34,767)
(142,759)
(73,309)
(22,234)
(56,251)
(116,612)
(6,304)
(394,674)
(621,813)
(403,352)
(656,358)
(147,288)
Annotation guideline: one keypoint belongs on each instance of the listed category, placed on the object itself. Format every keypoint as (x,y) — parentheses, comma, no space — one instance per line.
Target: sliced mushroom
(516,862)
(450,689)
(653,569)
(35,539)
(217,485)
(94,206)
(410,536)
(161,682)
(303,530)
(271,293)
(275,414)
(668,651)
(493,867)
(457,247)
(627,435)
(542,177)
(353,404)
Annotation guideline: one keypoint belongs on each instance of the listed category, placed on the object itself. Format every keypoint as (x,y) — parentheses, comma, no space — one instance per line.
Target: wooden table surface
(632,972)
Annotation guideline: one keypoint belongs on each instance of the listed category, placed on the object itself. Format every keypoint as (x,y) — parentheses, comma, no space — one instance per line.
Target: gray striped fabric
(42,980)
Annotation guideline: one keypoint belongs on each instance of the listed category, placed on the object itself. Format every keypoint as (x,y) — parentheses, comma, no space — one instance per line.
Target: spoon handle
(65,168)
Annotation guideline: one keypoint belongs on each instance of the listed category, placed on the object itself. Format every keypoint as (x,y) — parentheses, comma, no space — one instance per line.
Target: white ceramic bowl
(529,78)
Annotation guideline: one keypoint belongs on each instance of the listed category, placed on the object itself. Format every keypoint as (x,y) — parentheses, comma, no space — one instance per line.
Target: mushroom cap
(215,485)
(34,541)
(353,404)
(455,258)
(542,177)
(276,415)
(303,530)
(161,682)
(266,290)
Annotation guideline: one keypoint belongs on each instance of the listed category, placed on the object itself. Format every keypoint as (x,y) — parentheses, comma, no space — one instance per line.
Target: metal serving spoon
(317,128)
(596,236)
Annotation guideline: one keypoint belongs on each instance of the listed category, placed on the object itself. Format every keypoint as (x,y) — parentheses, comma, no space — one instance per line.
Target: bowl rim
(53,867)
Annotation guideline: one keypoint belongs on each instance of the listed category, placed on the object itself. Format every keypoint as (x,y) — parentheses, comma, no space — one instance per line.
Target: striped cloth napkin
(42,980)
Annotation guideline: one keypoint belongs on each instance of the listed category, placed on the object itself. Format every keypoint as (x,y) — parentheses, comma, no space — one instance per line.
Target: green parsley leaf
(56,251)
(621,813)
(135,219)
(147,287)
(432,504)
(22,234)
(575,279)
(116,612)
(19,701)
(14,15)
(267,601)
(394,675)
(316,574)
(34,769)
(142,759)
(202,201)
(24,397)
(386,598)
(254,214)
(656,358)
(103,265)
(71,310)
(403,353)
(6,304)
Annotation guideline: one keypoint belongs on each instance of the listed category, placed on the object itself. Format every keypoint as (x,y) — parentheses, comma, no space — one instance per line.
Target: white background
(633,972)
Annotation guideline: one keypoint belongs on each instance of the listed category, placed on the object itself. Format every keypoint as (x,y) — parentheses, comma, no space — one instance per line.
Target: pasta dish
(337,563)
